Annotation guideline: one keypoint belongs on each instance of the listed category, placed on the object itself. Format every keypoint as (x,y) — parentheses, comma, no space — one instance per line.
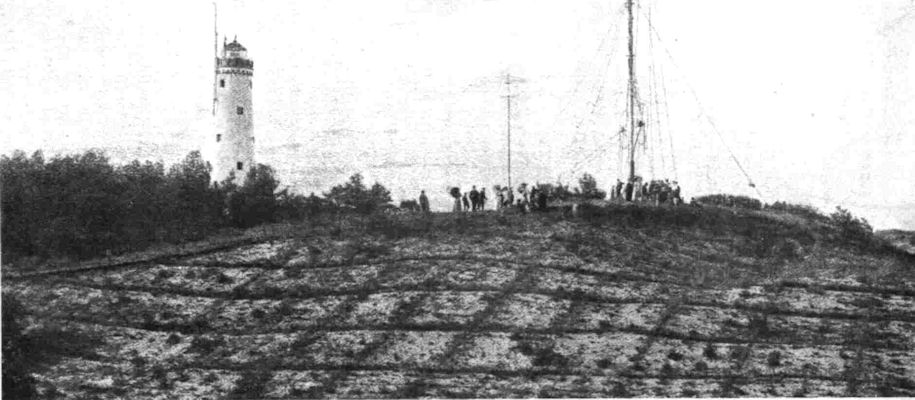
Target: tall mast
(215,56)
(508,122)
(632,95)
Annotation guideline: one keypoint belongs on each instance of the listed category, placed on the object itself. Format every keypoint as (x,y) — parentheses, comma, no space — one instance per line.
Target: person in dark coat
(423,202)
(533,197)
(628,191)
(665,192)
(541,201)
(482,198)
(474,199)
(466,202)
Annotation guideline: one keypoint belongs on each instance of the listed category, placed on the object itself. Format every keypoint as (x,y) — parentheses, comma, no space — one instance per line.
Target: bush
(354,195)
(774,359)
(18,366)
(710,351)
(851,228)
(82,206)
(173,339)
(205,345)
(252,384)
(255,202)
(588,188)
(727,200)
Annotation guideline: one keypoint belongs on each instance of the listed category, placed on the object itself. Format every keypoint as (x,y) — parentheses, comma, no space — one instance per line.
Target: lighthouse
(233,111)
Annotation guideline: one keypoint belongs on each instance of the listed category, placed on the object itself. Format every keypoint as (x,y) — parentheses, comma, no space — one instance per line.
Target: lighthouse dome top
(235,46)
(234,50)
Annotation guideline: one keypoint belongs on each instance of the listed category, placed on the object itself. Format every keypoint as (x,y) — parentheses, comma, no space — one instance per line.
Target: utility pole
(508,125)
(632,94)
(509,80)
(215,55)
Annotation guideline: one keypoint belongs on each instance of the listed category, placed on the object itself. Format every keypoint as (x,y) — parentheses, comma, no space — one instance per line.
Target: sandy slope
(512,306)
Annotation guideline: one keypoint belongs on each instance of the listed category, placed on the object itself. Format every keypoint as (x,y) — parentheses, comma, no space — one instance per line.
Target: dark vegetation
(82,206)
(842,225)
(587,190)
(727,200)
(29,351)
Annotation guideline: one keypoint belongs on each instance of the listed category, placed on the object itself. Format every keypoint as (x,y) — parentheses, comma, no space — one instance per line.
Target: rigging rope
(708,118)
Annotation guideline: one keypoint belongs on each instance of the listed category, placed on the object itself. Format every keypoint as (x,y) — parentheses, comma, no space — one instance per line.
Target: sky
(814,98)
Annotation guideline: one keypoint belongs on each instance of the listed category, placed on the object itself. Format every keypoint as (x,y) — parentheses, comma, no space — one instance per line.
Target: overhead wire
(708,118)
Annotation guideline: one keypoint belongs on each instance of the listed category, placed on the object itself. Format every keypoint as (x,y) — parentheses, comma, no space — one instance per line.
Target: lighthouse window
(240,165)
(222,83)
(218,137)
(239,110)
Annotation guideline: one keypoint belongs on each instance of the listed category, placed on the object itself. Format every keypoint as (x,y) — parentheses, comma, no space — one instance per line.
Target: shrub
(409,205)
(774,359)
(728,200)
(759,324)
(205,345)
(173,339)
(710,351)
(285,308)
(82,206)
(851,228)
(17,364)
(588,188)
(160,375)
(668,370)
(740,352)
(224,279)
(354,195)
(252,384)
(255,202)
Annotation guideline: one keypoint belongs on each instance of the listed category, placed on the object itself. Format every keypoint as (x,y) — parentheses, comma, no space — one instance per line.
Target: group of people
(474,200)
(529,198)
(533,198)
(656,191)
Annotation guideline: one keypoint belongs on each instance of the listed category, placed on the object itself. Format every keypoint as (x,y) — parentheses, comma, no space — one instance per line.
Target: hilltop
(612,301)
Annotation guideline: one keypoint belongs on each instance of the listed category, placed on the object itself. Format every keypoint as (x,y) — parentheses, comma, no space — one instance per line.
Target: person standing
(541,200)
(474,199)
(533,197)
(456,194)
(676,194)
(482,198)
(466,203)
(423,202)
(665,191)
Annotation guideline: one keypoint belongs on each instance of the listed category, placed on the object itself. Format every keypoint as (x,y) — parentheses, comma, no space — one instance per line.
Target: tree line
(82,205)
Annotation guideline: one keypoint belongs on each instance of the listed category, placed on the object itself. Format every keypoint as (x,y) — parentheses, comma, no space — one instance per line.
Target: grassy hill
(903,240)
(614,301)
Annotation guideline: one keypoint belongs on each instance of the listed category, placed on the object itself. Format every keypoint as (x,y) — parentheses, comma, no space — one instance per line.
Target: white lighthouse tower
(234,114)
